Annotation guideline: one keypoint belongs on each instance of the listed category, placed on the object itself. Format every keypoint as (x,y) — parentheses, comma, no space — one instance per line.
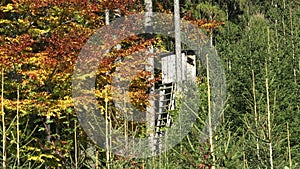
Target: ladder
(163,118)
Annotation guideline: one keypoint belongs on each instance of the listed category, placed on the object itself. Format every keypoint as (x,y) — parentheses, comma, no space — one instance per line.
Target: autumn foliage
(39,45)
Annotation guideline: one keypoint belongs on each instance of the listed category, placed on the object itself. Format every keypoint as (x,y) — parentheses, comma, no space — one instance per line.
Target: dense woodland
(257,41)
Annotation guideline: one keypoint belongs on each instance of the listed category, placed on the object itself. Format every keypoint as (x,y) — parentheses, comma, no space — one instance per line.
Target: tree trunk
(150,116)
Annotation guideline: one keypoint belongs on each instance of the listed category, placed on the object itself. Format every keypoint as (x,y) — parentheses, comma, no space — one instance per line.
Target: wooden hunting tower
(167,64)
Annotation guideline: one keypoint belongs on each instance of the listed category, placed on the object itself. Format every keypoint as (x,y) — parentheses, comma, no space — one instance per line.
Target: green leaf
(42,129)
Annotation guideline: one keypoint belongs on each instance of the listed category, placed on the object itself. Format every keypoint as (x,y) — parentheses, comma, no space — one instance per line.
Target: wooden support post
(150,116)
(177,41)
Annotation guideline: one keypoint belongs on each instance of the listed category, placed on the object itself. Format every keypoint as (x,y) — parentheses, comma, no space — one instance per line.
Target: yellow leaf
(38,31)
(47,155)
(34,158)
(5,21)
(7,8)
(30,148)
(21,21)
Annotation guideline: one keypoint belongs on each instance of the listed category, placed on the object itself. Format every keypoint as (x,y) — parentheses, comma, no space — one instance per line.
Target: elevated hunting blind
(167,64)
